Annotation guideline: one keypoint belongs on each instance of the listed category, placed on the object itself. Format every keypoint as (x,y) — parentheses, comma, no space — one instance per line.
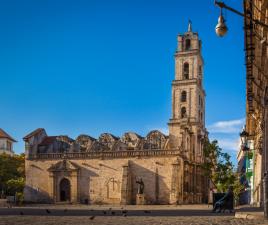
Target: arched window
(186,70)
(183,112)
(187,44)
(183,96)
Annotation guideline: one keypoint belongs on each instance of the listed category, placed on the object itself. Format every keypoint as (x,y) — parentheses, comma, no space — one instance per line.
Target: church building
(110,169)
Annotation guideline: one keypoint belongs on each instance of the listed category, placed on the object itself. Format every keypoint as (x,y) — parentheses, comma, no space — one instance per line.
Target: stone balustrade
(105,154)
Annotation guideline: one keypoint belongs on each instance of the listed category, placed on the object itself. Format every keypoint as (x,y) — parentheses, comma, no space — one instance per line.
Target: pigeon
(48,211)
(113,213)
(124,213)
(104,212)
(21,213)
(92,217)
(147,211)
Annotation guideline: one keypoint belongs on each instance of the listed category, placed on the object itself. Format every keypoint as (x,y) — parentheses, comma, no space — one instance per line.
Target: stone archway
(63,182)
(65,190)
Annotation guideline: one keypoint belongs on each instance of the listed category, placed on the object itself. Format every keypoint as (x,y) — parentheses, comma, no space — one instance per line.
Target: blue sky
(93,66)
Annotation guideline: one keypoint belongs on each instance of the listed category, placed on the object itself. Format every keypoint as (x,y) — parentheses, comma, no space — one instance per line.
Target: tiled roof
(33,133)
(3,134)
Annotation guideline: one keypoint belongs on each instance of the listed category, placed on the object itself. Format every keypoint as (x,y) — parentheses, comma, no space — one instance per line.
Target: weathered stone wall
(102,181)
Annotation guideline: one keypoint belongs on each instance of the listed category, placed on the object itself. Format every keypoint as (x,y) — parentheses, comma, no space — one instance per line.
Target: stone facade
(105,170)
(256,47)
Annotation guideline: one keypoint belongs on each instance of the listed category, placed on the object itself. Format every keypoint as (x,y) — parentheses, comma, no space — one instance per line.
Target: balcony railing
(105,155)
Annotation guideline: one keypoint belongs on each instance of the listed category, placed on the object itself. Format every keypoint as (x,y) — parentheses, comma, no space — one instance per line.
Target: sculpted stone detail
(155,140)
(85,142)
(140,186)
(106,142)
(113,188)
(64,165)
(132,140)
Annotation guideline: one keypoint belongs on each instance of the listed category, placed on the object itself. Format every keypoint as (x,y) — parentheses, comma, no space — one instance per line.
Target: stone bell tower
(187,124)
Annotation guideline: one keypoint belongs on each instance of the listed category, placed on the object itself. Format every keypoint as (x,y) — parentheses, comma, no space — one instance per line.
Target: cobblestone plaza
(135,220)
(80,215)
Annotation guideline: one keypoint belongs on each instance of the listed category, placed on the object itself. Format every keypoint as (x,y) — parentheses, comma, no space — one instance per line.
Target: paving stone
(131,220)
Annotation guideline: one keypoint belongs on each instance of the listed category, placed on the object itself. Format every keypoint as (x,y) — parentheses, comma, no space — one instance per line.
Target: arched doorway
(65,190)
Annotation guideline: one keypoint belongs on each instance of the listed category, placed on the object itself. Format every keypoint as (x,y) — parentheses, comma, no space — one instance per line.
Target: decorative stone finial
(190,26)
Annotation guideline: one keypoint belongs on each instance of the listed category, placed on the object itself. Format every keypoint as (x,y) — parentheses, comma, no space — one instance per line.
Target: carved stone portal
(63,179)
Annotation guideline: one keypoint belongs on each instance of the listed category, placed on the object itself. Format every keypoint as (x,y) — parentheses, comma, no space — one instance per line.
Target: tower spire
(189,26)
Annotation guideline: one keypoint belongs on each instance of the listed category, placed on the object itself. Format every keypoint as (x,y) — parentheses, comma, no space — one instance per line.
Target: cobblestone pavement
(135,220)
(118,215)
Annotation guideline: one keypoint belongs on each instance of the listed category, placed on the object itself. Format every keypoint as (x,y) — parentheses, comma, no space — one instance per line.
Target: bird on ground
(113,213)
(147,211)
(48,211)
(124,213)
(104,212)
(21,213)
(92,217)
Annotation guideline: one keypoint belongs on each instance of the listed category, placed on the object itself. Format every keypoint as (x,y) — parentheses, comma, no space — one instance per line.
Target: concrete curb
(247,215)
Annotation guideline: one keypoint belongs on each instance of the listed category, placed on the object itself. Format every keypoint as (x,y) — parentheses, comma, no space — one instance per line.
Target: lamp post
(221,30)
(244,140)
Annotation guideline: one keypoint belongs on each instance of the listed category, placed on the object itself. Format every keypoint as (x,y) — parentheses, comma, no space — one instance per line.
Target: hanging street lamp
(244,140)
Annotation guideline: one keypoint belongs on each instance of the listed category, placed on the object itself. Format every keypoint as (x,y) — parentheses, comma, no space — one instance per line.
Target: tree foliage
(219,168)
(14,186)
(12,173)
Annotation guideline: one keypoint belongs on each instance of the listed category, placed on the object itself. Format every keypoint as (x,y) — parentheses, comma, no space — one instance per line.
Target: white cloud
(229,126)
(229,144)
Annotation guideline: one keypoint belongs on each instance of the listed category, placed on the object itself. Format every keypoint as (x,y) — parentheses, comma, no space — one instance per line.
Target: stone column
(125,186)
(195,184)
(74,187)
(175,192)
(156,186)
(51,187)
